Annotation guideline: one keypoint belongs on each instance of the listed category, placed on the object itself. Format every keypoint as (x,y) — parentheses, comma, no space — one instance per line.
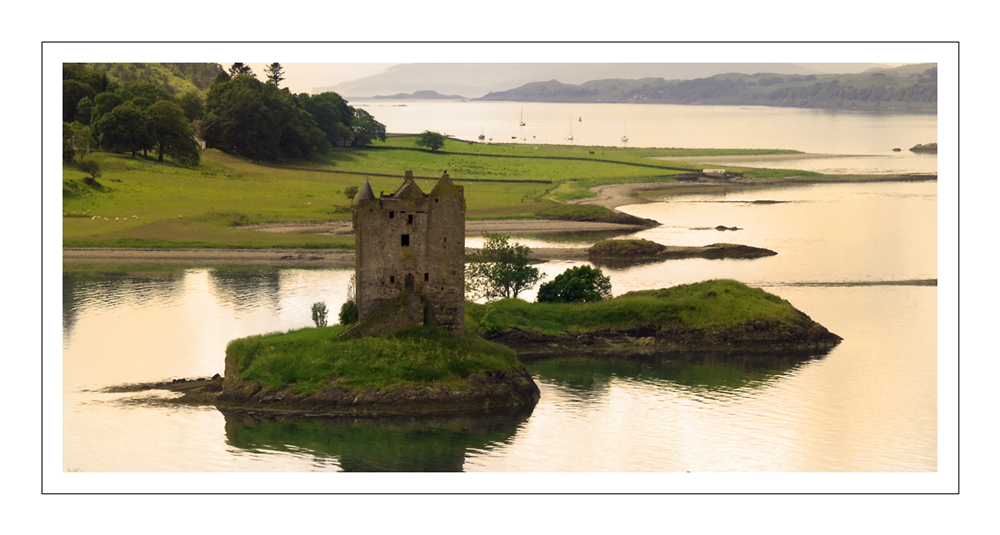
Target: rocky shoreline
(755,336)
(489,392)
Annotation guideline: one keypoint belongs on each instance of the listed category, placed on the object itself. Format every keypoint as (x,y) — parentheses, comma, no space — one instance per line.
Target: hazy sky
(304,77)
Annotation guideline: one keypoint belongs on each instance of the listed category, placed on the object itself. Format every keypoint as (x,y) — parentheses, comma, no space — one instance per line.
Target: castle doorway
(409,282)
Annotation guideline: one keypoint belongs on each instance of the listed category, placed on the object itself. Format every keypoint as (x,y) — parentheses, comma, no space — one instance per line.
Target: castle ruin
(409,257)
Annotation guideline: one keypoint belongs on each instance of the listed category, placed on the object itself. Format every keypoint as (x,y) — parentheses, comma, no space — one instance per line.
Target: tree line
(132,116)
(238,114)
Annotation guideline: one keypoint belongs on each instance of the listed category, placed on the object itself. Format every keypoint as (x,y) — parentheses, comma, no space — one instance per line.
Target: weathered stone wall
(446,255)
(412,242)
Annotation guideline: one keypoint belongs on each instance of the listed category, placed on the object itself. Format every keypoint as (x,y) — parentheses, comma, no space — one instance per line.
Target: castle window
(405,240)
(427,277)
(409,220)
(392,279)
(392,215)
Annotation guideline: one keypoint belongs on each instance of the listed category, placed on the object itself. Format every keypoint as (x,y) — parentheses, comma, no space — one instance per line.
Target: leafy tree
(84,110)
(431,140)
(349,310)
(192,105)
(319,314)
(259,121)
(81,137)
(172,133)
(124,129)
(67,143)
(91,168)
(241,69)
(144,91)
(98,81)
(332,115)
(366,128)
(350,192)
(273,73)
(103,103)
(222,78)
(500,269)
(73,92)
(237,120)
(581,284)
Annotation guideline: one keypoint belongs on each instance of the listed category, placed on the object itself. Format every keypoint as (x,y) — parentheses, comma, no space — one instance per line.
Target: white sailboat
(570,136)
(482,136)
(625,137)
(522,116)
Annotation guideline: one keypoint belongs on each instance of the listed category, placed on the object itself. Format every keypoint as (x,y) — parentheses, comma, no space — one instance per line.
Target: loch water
(868,405)
(848,256)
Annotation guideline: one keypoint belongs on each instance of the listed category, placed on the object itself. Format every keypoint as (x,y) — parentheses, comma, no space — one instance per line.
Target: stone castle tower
(410,257)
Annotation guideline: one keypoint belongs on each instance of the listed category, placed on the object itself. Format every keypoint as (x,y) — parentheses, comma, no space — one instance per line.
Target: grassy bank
(710,303)
(307,359)
(142,203)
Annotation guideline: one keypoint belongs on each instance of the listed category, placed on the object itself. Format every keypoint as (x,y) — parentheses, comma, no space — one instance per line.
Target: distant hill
(911,87)
(420,95)
(478,79)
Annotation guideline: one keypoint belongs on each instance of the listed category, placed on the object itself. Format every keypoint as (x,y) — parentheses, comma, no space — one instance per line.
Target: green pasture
(142,203)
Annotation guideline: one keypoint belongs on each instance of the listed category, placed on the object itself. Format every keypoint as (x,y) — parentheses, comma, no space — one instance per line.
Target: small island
(419,95)
(633,251)
(719,316)
(925,147)
(414,345)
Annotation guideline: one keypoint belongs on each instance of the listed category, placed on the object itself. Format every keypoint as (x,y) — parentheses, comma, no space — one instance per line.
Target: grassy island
(431,370)
(421,369)
(715,315)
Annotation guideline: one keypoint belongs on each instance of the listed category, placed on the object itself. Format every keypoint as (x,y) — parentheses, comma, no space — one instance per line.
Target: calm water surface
(868,405)
(868,137)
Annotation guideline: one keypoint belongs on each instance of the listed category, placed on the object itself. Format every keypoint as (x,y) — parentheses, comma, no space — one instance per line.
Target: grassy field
(306,359)
(683,306)
(142,203)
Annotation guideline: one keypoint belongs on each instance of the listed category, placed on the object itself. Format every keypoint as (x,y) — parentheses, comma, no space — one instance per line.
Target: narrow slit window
(392,215)
(409,220)
(392,279)
(427,277)
(405,240)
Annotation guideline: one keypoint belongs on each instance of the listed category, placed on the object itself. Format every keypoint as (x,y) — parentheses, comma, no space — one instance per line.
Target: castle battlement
(410,257)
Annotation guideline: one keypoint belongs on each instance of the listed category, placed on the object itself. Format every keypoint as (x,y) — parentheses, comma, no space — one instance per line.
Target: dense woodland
(909,87)
(163,107)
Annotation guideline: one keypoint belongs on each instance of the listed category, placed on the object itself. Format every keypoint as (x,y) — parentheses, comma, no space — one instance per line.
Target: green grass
(310,359)
(686,306)
(162,205)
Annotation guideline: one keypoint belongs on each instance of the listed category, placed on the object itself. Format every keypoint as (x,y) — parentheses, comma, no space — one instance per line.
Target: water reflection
(438,444)
(110,290)
(246,289)
(588,378)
